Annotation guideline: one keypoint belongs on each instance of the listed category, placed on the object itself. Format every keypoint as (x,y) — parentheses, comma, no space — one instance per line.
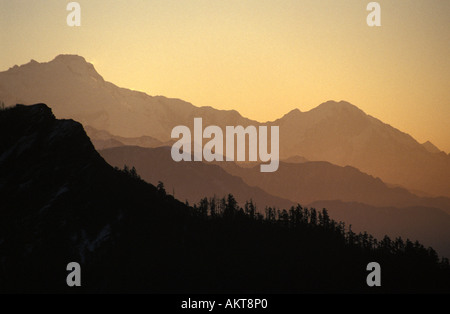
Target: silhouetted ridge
(61,202)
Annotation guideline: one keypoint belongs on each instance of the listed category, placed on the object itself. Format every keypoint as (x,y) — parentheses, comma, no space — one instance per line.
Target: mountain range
(344,135)
(334,154)
(311,181)
(336,132)
(349,195)
(62,203)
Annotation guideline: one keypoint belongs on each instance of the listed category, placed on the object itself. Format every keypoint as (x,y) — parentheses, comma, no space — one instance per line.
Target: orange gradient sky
(260,57)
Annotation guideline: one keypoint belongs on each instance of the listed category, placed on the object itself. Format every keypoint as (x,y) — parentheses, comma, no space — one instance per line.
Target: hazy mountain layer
(344,135)
(339,133)
(102,139)
(189,180)
(307,182)
(393,211)
(431,226)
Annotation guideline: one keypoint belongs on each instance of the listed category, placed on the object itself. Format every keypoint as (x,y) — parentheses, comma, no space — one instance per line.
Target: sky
(260,57)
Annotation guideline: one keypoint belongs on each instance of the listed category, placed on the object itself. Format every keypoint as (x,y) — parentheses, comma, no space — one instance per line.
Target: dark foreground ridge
(61,202)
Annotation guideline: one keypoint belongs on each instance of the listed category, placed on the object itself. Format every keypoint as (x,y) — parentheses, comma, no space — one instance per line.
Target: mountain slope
(308,181)
(189,180)
(431,147)
(342,134)
(61,203)
(430,226)
(76,91)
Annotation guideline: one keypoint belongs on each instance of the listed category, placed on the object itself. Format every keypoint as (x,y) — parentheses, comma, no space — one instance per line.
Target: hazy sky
(260,57)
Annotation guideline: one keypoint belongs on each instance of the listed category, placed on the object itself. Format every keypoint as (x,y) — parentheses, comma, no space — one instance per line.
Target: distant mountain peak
(342,108)
(328,108)
(292,114)
(72,60)
(431,147)
(77,64)
(74,63)
(69,58)
(334,105)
